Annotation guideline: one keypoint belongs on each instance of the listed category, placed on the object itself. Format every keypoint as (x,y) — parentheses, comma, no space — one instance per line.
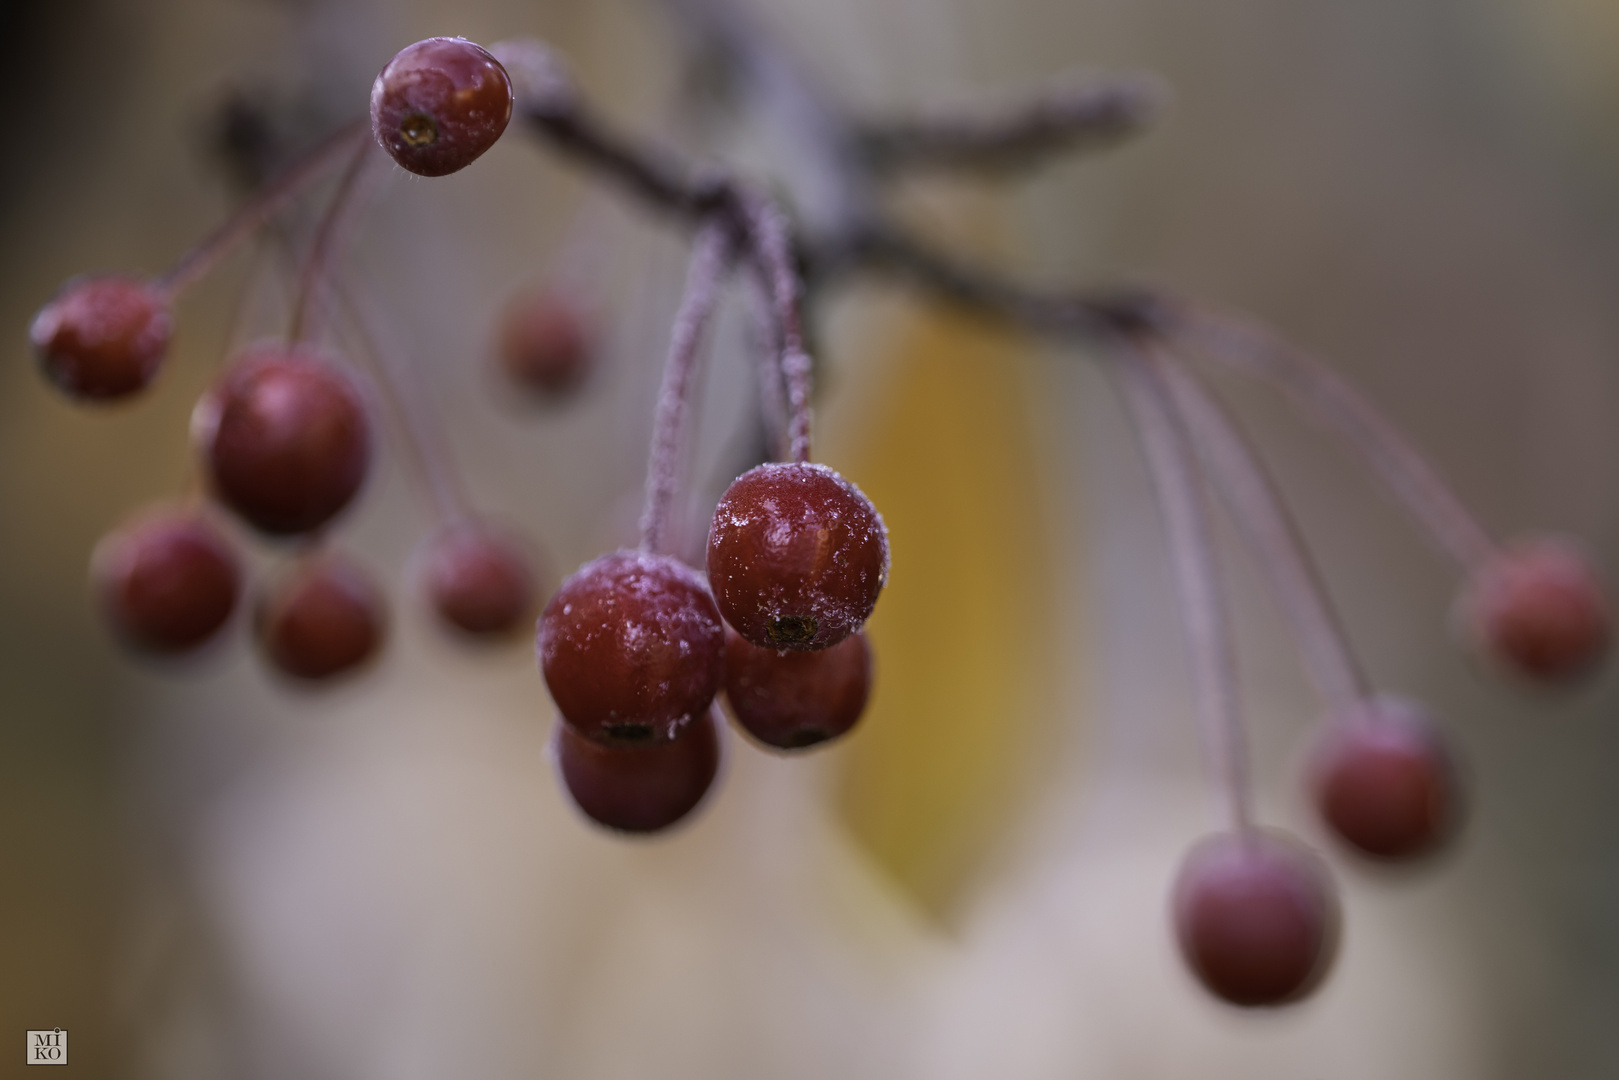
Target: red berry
(480,582)
(1256,917)
(796,556)
(1540,610)
(168,581)
(1383,781)
(103,338)
(632,648)
(639,788)
(323,619)
(545,345)
(793,700)
(439,104)
(285,438)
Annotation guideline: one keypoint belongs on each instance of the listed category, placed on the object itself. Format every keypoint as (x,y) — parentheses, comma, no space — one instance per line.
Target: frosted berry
(1256,918)
(1540,610)
(796,556)
(323,619)
(168,581)
(285,438)
(480,582)
(632,648)
(103,338)
(1384,782)
(639,789)
(794,700)
(545,345)
(439,104)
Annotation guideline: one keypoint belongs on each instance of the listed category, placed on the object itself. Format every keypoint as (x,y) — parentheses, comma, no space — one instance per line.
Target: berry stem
(773,248)
(1164,444)
(1246,347)
(765,340)
(334,227)
(420,434)
(709,255)
(1261,515)
(251,216)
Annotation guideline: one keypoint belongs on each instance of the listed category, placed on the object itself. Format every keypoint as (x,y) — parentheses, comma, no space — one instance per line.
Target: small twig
(709,255)
(260,207)
(1261,515)
(773,251)
(1091,115)
(1164,443)
(1246,347)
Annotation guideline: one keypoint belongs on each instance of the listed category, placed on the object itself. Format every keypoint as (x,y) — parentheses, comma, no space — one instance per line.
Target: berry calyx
(795,700)
(545,344)
(103,338)
(323,619)
(480,582)
(167,581)
(639,789)
(1384,782)
(285,438)
(632,648)
(439,104)
(1540,610)
(796,556)
(1256,917)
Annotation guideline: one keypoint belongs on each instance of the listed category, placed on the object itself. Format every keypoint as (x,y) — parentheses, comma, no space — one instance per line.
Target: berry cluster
(637,646)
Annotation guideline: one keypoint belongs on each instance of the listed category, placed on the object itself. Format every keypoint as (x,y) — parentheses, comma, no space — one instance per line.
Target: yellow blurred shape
(963,703)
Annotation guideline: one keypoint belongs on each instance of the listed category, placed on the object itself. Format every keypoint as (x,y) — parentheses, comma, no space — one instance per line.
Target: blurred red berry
(168,581)
(1256,917)
(1539,609)
(632,648)
(796,556)
(103,338)
(545,344)
(480,582)
(795,700)
(439,104)
(1384,782)
(323,619)
(285,438)
(639,789)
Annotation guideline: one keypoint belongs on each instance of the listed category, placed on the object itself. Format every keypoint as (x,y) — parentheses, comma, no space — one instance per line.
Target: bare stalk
(1261,515)
(1140,375)
(334,227)
(708,258)
(1092,114)
(251,216)
(1246,347)
(774,252)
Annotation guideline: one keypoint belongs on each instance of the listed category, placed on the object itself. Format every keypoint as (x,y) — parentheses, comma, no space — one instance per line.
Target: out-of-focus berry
(1539,609)
(639,789)
(168,581)
(795,700)
(103,338)
(323,619)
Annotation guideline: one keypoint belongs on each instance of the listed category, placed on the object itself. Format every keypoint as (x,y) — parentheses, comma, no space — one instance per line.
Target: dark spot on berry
(418,129)
(629,733)
(791,630)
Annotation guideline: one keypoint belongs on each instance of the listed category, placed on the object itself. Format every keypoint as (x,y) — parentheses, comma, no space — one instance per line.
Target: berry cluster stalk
(1164,443)
(251,216)
(333,229)
(709,255)
(1260,514)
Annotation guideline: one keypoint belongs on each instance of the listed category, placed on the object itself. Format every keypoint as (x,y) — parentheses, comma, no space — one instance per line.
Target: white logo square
(47,1047)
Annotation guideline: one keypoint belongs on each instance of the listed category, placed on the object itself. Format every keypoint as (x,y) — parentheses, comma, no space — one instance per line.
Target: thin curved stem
(421,435)
(334,227)
(773,247)
(1262,517)
(709,255)
(251,216)
(1404,470)
(1204,619)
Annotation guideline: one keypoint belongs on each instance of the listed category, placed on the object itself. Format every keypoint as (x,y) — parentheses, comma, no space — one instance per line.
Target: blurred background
(211,873)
